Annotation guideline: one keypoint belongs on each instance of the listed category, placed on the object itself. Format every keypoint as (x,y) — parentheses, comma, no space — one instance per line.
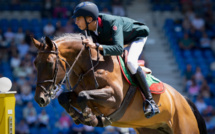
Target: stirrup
(152,112)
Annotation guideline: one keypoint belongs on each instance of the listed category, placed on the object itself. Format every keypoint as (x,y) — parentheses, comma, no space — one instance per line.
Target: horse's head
(51,62)
(49,70)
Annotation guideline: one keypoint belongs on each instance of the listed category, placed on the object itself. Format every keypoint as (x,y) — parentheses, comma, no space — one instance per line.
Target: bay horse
(95,106)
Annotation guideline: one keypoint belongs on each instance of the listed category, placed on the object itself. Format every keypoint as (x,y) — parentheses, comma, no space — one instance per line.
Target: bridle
(55,88)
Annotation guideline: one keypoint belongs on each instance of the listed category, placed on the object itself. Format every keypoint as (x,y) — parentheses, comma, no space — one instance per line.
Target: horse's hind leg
(67,103)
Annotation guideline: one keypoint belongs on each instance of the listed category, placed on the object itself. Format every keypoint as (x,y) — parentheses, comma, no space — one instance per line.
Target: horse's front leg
(103,97)
(66,100)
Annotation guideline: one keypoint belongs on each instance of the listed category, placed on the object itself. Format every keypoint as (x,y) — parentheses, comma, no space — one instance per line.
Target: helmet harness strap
(87,23)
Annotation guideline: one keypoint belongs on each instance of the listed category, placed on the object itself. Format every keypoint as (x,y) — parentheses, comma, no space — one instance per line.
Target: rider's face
(80,22)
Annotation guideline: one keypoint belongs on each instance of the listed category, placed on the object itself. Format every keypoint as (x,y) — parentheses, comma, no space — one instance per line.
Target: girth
(118,114)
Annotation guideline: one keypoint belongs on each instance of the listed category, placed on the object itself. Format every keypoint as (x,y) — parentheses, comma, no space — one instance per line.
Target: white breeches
(135,50)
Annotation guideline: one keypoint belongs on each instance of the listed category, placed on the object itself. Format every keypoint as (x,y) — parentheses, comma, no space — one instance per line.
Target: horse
(99,91)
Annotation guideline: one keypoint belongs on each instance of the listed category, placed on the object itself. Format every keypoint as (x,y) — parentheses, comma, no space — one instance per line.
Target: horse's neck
(69,51)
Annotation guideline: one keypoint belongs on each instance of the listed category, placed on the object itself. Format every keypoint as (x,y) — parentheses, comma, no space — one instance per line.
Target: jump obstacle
(7,112)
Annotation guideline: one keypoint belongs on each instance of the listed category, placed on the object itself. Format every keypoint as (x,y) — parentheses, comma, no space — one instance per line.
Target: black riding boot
(150,109)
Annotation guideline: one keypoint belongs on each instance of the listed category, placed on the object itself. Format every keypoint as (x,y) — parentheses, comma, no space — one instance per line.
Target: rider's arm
(117,38)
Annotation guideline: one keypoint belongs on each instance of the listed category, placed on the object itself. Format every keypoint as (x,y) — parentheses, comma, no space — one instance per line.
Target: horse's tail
(199,118)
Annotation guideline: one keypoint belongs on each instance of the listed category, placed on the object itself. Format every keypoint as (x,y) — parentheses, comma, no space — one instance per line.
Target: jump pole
(7,112)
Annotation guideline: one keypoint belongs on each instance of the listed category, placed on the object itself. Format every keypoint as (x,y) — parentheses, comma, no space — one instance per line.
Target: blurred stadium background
(180,51)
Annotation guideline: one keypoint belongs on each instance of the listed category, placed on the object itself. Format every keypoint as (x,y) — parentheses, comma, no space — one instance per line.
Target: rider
(111,33)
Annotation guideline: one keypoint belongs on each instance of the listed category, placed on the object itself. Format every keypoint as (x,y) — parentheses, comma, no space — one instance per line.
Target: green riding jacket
(115,31)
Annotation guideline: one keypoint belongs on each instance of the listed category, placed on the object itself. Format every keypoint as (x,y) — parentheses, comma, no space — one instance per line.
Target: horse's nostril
(42,101)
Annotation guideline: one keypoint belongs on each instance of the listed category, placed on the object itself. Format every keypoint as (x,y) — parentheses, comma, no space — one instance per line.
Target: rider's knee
(129,64)
(132,66)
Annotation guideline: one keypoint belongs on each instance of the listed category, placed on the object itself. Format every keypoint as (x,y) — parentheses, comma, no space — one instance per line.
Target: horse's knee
(82,96)
(82,99)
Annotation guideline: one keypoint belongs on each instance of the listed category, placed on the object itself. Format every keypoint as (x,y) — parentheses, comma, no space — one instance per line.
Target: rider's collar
(100,22)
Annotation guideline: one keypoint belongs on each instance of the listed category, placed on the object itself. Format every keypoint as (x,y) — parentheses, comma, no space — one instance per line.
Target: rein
(66,77)
(53,91)
(116,115)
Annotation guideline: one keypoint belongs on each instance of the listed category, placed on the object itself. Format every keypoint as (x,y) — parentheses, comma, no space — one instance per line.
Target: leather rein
(56,87)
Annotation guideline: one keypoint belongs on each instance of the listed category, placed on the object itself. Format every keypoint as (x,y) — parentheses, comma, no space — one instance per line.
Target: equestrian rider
(111,33)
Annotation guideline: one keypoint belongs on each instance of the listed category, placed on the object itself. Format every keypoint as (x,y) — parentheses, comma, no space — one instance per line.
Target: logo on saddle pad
(114,28)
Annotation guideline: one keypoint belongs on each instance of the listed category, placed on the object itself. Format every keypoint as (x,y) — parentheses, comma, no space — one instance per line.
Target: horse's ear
(49,42)
(36,42)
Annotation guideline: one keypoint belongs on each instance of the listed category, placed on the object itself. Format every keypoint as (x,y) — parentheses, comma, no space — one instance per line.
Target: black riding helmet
(86,9)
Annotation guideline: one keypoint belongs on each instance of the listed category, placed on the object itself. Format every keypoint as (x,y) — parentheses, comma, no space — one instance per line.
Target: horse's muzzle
(42,101)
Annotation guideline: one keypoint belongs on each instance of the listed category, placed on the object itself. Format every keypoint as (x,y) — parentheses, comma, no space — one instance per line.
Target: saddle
(155,85)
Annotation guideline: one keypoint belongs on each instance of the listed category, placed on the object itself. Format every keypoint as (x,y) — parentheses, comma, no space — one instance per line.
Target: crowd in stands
(192,40)
(17,53)
(60,8)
